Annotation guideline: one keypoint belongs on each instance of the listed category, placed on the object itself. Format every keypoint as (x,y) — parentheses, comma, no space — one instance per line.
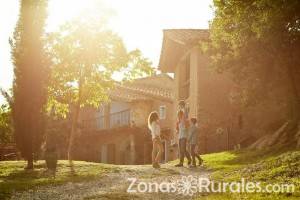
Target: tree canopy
(258,41)
(85,55)
(5,125)
(30,78)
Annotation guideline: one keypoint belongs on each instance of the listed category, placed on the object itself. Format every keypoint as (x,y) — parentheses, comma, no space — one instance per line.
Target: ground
(102,181)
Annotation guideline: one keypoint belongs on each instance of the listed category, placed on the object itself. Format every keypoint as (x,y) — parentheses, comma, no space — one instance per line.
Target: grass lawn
(14,178)
(265,166)
(268,167)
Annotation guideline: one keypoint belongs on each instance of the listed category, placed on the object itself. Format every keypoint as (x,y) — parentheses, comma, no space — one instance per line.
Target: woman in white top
(153,125)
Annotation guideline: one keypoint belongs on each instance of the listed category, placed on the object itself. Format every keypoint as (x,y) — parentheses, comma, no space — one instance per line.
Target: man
(182,129)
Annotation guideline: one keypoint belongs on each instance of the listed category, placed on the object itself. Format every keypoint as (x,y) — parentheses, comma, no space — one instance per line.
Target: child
(182,131)
(182,106)
(193,140)
(153,125)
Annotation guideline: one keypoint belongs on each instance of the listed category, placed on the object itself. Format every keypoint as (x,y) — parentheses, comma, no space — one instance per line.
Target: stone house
(117,132)
(207,93)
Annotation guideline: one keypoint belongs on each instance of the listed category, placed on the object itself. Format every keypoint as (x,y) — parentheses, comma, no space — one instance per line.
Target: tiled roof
(154,87)
(176,42)
(185,36)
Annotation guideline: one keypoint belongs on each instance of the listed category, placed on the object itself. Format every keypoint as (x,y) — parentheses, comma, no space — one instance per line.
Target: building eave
(176,42)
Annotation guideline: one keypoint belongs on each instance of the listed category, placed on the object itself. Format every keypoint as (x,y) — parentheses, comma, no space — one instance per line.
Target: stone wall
(208,100)
(140,111)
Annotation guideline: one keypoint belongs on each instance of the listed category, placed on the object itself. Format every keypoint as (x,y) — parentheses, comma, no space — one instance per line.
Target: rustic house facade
(207,93)
(117,132)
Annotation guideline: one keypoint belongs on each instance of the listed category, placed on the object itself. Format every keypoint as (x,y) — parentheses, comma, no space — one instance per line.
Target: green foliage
(7,95)
(138,66)
(258,41)
(85,55)
(30,77)
(5,125)
(266,166)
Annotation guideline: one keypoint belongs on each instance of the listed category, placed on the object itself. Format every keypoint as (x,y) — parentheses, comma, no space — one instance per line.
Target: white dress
(155,130)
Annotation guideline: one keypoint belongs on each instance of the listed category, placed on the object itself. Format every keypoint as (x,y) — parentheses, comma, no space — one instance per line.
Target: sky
(138,22)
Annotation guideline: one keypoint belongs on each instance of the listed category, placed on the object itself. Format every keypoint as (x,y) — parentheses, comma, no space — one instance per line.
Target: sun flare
(63,11)
(138,22)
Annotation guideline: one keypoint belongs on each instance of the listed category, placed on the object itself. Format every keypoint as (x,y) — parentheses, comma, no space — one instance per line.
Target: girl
(153,125)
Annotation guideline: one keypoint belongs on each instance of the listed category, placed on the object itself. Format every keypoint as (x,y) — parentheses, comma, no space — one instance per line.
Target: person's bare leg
(154,149)
(181,153)
(193,154)
(186,152)
(160,149)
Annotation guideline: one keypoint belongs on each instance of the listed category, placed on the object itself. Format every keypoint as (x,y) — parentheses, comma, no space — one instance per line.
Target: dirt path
(115,185)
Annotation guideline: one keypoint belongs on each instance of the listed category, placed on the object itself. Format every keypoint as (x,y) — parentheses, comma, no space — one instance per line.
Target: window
(162,112)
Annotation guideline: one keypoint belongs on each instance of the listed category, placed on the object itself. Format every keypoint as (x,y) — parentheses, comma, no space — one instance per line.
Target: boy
(193,140)
(182,106)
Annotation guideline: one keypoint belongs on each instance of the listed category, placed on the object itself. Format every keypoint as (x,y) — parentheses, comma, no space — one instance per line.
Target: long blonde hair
(153,116)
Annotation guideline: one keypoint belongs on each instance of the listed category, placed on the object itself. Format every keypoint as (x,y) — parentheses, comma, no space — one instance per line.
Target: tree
(30,70)
(5,125)
(85,55)
(258,41)
(6,133)
(7,95)
(138,66)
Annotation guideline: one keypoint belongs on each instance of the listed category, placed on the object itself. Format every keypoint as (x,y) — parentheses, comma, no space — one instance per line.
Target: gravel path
(114,185)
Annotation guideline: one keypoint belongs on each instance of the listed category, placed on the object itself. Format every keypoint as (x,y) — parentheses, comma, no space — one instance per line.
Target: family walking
(187,131)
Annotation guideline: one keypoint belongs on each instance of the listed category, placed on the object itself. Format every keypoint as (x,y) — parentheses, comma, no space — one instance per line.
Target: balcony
(118,119)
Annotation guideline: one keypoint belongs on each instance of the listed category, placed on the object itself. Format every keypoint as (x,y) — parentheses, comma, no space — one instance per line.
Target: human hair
(153,116)
(194,120)
(181,103)
(180,113)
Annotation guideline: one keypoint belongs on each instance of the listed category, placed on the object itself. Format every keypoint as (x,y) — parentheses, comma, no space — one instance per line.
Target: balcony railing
(114,120)
(120,119)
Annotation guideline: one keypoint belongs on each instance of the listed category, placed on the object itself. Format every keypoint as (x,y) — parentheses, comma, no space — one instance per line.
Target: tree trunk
(72,132)
(75,121)
(29,162)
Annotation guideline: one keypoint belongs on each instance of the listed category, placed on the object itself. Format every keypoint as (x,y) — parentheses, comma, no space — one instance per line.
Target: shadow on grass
(14,178)
(28,179)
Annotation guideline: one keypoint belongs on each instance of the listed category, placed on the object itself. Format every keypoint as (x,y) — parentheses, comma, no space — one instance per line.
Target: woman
(153,124)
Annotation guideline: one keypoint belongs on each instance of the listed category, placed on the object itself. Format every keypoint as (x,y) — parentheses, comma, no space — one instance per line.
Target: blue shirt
(182,130)
(193,134)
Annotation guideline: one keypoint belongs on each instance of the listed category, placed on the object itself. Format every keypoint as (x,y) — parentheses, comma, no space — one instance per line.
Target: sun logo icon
(188,185)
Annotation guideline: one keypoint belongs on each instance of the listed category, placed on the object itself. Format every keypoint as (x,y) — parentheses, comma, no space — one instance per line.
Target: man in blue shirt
(182,128)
